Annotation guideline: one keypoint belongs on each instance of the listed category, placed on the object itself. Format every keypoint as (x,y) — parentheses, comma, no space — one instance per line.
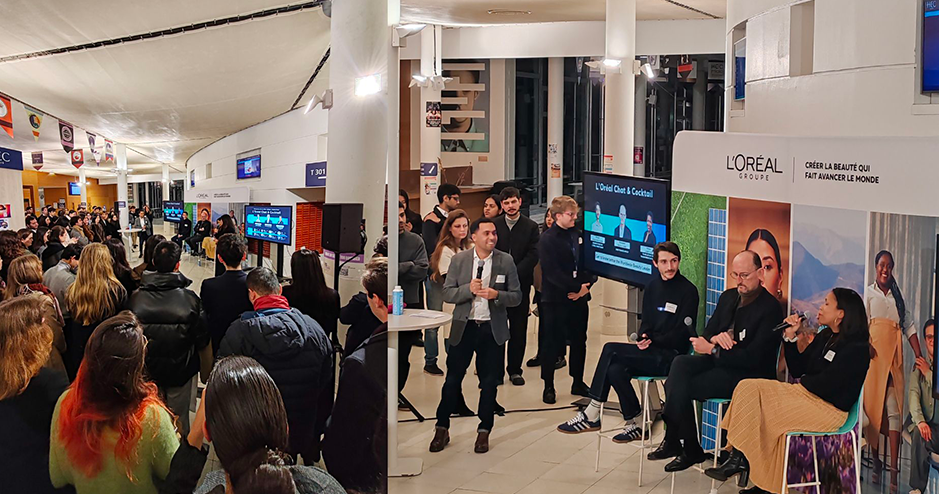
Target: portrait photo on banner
(465,107)
(762,227)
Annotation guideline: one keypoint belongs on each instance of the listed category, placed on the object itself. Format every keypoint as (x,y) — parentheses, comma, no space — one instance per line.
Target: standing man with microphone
(738,343)
(482,282)
(669,310)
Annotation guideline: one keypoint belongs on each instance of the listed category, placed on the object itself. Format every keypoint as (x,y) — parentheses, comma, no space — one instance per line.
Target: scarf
(271,302)
(40,288)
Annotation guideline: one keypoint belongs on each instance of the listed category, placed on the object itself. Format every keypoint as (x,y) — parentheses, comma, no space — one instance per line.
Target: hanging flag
(91,144)
(35,120)
(6,115)
(67,136)
(108,150)
(37,160)
(78,158)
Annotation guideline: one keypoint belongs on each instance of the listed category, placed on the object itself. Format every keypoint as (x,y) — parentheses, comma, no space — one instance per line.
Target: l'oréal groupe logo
(758,168)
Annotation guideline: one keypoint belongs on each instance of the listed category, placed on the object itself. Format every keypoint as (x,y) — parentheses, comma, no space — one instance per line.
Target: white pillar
(639,169)
(618,136)
(120,155)
(555,172)
(166,182)
(84,187)
(431,65)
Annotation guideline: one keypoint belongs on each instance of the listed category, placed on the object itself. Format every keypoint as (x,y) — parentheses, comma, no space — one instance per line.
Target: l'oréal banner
(234,194)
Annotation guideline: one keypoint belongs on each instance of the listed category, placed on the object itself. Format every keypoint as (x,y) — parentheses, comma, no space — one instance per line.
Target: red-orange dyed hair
(109,392)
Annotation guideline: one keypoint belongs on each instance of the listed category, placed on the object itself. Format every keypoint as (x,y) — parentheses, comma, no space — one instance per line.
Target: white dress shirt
(884,306)
(480,310)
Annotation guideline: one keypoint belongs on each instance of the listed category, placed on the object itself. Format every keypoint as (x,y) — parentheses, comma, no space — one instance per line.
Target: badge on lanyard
(830,355)
(743,334)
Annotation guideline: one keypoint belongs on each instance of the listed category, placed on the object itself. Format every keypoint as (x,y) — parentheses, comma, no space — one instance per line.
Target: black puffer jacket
(170,315)
(295,351)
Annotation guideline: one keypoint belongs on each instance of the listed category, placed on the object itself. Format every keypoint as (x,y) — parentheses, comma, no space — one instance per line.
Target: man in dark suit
(225,297)
(518,236)
(482,282)
(622,231)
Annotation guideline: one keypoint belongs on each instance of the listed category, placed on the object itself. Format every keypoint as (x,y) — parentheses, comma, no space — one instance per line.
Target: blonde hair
(25,343)
(24,270)
(95,293)
(562,204)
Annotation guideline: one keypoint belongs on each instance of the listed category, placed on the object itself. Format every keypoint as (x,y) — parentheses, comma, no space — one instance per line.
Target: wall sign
(316,174)
(11,159)
(234,194)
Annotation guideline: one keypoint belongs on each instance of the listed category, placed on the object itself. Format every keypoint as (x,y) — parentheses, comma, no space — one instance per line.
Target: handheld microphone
(690,324)
(479,269)
(784,325)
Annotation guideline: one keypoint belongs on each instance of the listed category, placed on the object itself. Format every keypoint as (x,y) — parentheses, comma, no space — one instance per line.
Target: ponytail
(262,471)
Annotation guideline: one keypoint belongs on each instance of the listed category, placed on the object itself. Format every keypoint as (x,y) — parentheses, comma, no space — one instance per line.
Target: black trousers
(619,362)
(563,322)
(693,377)
(477,338)
(195,242)
(919,461)
(518,330)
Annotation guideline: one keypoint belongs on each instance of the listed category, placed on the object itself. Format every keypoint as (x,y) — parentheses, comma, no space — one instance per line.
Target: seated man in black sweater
(738,343)
(669,309)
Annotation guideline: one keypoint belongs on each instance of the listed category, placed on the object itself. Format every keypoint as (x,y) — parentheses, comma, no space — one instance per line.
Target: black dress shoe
(533,362)
(754,490)
(736,464)
(684,462)
(664,452)
(517,380)
(549,396)
(560,363)
(463,411)
(580,389)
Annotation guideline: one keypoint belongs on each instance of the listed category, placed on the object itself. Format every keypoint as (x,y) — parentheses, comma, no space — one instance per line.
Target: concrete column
(120,155)
(84,187)
(555,171)
(431,65)
(699,96)
(166,182)
(639,135)
(618,140)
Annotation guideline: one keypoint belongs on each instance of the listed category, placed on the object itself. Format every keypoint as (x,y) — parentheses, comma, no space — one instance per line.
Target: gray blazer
(456,290)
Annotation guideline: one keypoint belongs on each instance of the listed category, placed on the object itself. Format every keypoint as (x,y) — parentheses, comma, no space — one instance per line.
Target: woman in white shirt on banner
(884,387)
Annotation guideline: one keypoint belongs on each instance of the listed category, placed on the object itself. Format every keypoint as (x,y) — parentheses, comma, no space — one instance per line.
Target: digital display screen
(931,46)
(249,167)
(624,217)
(172,211)
(74,189)
(269,223)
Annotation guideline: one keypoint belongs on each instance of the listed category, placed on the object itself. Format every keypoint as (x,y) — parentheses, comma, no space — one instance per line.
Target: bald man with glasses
(738,343)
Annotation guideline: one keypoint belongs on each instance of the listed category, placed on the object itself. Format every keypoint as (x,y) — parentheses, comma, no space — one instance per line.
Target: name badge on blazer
(670,307)
(743,334)
(830,355)
(500,278)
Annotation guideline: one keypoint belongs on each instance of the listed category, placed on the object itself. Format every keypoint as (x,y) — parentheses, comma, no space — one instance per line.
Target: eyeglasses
(569,213)
(930,337)
(742,276)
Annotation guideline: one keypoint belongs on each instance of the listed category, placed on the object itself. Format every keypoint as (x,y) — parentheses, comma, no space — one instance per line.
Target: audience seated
(171,316)
(308,292)
(122,269)
(295,351)
(355,443)
(242,414)
(58,240)
(61,276)
(25,278)
(225,297)
(110,430)
(28,393)
(95,296)
(147,252)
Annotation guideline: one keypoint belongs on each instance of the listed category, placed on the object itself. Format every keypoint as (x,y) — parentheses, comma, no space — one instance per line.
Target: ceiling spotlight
(607,66)
(648,70)
(326,101)
(367,85)
(611,63)
(432,82)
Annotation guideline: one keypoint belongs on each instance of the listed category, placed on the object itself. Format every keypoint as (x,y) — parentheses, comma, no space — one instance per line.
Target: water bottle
(397,301)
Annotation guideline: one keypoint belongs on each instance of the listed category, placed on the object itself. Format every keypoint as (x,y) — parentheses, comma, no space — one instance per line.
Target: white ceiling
(165,98)
(475,12)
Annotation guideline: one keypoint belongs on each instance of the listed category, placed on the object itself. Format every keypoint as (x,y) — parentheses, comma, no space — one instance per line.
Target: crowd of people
(486,268)
(102,362)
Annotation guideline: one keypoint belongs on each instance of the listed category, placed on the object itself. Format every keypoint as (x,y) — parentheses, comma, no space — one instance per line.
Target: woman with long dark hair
(147,249)
(28,392)
(58,240)
(110,430)
(113,226)
(883,395)
(10,248)
(832,370)
(225,225)
(122,269)
(39,241)
(308,292)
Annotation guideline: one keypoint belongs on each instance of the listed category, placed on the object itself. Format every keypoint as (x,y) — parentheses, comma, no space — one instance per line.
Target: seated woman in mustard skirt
(762,411)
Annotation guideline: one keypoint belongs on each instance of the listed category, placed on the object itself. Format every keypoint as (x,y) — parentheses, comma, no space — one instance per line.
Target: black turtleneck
(669,311)
(831,368)
(754,352)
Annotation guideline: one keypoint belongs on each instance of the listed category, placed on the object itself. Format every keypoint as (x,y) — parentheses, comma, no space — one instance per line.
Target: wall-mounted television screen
(269,223)
(624,217)
(172,211)
(931,46)
(74,189)
(249,167)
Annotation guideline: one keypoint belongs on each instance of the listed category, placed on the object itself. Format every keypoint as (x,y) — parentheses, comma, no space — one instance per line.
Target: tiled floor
(527,455)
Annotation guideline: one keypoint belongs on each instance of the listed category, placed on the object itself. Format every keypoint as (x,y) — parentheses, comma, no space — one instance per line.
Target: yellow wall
(56,187)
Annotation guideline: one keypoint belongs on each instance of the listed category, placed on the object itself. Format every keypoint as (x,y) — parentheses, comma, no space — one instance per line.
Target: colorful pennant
(6,115)
(78,158)
(67,136)
(35,120)
(91,143)
(37,160)
(108,151)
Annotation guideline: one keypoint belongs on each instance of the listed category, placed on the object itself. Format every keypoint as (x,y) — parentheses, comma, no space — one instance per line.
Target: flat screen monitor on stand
(270,224)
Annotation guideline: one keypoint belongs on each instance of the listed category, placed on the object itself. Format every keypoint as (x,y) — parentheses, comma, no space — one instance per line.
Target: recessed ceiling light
(508,12)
